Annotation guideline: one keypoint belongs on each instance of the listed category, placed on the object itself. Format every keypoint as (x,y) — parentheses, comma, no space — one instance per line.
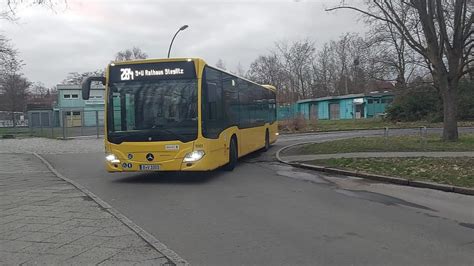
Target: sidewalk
(45,220)
(311,157)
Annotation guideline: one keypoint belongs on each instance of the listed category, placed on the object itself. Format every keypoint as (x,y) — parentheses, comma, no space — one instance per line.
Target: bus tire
(267,141)
(233,155)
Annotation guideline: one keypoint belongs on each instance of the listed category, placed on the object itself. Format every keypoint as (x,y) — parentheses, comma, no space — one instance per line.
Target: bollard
(97,122)
(385,134)
(30,123)
(423,135)
(82,122)
(51,124)
(64,124)
(41,123)
(425,131)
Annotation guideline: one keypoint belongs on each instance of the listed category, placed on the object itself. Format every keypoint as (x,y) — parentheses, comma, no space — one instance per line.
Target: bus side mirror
(86,86)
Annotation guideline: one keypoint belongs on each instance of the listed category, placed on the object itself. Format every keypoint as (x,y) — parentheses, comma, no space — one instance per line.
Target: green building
(75,111)
(351,106)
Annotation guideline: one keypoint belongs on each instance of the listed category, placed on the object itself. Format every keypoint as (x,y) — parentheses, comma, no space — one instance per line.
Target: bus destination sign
(152,71)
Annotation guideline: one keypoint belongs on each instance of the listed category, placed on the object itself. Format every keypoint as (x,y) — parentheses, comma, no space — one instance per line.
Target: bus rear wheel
(267,141)
(233,155)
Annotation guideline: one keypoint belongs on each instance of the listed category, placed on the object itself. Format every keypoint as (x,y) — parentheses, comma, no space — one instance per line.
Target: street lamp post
(172,40)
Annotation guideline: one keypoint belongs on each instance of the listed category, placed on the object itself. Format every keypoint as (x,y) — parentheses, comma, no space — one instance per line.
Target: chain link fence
(77,122)
(66,123)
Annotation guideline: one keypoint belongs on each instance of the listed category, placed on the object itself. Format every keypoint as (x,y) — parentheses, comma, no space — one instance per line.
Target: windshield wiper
(167,131)
(143,135)
(120,137)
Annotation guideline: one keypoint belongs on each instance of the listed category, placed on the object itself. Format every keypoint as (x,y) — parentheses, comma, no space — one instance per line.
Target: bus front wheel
(233,155)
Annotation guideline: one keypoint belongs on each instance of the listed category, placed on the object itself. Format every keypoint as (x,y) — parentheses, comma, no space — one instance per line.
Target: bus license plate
(149,167)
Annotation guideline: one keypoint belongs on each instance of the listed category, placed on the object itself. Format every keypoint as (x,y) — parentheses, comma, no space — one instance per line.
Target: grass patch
(380,144)
(451,171)
(350,124)
(25,132)
(359,124)
(15,131)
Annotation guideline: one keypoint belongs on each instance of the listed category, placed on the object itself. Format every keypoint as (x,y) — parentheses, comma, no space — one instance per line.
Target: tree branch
(442,26)
(396,20)
(458,26)
(466,71)
(359,10)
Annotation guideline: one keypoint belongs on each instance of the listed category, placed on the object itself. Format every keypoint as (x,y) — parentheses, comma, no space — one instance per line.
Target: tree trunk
(13,118)
(450,111)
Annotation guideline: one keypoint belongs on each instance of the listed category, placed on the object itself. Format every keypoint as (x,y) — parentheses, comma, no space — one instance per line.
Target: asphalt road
(266,213)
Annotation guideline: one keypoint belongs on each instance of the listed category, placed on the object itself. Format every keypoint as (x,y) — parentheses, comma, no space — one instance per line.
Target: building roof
(77,87)
(379,93)
(340,97)
(348,96)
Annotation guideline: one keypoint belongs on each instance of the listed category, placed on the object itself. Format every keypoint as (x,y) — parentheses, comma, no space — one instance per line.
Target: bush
(424,103)
(421,103)
(293,124)
(299,123)
(466,100)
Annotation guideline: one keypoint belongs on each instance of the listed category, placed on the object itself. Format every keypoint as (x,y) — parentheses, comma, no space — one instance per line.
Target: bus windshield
(157,110)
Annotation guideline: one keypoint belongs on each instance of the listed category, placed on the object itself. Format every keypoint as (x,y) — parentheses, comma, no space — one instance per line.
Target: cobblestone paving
(46,221)
(48,146)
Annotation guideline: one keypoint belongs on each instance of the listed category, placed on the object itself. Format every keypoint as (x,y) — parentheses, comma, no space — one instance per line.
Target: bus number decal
(171,147)
(127,74)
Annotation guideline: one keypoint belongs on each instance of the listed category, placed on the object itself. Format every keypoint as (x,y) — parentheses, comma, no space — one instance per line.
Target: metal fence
(76,122)
(287,111)
(66,123)
(12,119)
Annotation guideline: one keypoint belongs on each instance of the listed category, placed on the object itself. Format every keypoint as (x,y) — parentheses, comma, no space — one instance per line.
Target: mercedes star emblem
(150,157)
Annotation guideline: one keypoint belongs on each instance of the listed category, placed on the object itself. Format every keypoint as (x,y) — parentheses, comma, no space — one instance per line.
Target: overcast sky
(85,35)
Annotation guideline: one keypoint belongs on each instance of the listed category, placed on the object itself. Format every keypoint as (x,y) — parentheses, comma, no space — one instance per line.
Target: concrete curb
(382,178)
(151,240)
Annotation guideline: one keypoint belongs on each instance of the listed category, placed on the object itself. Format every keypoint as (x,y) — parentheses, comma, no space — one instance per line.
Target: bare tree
(6,52)
(130,54)
(76,78)
(400,62)
(267,69)
(324,71)
(220,64)
(8,8)
(440,31)
(38,89)
(13,86)
(297,59)
(345,65)
(342,51)
(240,70)
(364,71)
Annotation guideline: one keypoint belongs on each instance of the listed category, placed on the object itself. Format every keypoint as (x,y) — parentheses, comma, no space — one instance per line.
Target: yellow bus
(181,114)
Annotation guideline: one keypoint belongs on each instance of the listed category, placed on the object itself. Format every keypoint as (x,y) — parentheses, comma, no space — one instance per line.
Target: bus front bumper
(176,164)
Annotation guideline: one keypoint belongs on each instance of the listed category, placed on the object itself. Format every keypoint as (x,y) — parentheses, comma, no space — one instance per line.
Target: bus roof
(156,60)
(159,60)
(270,87)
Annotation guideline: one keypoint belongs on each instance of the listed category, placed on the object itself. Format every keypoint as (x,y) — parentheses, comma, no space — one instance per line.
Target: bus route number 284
(127,74)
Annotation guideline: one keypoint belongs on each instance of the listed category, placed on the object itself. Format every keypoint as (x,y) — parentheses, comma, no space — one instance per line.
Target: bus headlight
(112,158)
(194,156)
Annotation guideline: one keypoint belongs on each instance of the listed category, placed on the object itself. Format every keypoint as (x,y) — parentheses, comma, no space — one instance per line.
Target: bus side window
(230,100)
(213,115)
(212,100)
